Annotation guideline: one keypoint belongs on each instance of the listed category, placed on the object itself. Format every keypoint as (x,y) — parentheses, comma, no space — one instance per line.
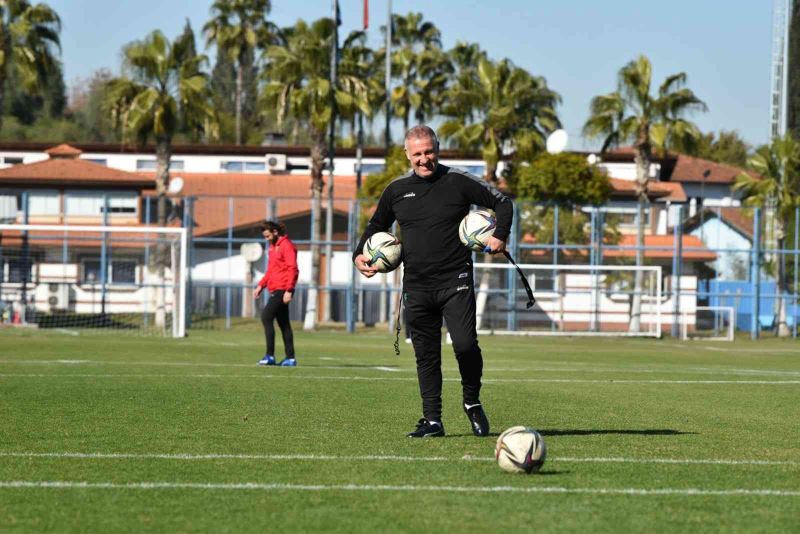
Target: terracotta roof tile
(691,169)
(739,219)
(67,172)
(251,198)
(63,151)
(665,244)
(658,190)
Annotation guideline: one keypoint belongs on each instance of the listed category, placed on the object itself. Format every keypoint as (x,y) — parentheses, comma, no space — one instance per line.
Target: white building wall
(715,234)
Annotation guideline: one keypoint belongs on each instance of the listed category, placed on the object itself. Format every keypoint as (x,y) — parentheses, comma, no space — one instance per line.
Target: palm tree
(162,90)
(28,36)
(418,62)
(494,106)
(651,123)
(237,28)
(359,62)
(298,86)
(777,185)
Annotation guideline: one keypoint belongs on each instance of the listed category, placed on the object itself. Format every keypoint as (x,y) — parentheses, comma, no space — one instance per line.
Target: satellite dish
(557,141)
(592,159)
(251,252)
(175,185)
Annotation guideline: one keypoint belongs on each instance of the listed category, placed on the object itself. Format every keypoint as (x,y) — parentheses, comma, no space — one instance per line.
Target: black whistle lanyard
(528,290)
(528,305)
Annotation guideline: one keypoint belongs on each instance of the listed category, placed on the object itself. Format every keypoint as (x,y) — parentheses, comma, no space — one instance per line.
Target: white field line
(756,350)
(185,364)
(684,492)
(293,376)
(556,369)
(67,332)
(378,458)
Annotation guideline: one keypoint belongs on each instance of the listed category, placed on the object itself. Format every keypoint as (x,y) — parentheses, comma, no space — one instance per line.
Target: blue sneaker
(267,360)
(288,362)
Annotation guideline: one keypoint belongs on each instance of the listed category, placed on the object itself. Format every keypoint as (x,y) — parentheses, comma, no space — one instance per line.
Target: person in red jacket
(280,281)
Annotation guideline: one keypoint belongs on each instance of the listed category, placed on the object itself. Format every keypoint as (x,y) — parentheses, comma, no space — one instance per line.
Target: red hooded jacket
(282,268)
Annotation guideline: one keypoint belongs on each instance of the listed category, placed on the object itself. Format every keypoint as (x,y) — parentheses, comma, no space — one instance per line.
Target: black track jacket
(429,211)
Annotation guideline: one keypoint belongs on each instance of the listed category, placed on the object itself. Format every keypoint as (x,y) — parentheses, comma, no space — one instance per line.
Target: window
(370,168)
(12,161)
(477,170)
(242,166)
(231,166)
(14,269)
(92,203)
(9,206)
(543,281)
(44,203)
(150,165)
(99,161)
(254,166)
(623,214)
(120,272)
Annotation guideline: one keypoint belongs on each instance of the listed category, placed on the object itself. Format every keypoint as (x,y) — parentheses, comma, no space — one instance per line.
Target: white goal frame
(658,297)
(731,324)
(179,311)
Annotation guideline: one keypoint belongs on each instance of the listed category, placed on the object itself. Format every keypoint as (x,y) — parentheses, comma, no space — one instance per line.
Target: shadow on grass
(355,366)
(471,435)
(643,432)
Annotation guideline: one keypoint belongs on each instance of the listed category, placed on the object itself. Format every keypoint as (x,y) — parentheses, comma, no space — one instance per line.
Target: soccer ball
(520,450)
(384,251)
(476,229)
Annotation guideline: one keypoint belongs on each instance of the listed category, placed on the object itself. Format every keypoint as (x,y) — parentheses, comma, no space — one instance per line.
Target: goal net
(709,323)
(125,280)
(570,300)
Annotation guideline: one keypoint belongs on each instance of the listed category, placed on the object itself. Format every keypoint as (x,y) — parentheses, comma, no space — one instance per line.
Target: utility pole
(331,156)
(388,134)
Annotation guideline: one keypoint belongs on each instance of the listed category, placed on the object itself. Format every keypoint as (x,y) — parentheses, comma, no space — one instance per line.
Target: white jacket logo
(409,195)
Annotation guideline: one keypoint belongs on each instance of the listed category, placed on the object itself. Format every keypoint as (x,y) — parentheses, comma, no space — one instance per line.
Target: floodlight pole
(331,156)
(388,84)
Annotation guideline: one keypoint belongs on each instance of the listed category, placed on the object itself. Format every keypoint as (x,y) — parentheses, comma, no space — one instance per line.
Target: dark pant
(276,309)
(424,312)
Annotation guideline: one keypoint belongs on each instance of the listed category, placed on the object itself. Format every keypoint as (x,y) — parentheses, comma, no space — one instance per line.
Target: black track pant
(276,309)
(424,313)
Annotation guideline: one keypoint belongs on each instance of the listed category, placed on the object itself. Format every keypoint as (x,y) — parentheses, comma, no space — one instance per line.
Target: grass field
(103,433)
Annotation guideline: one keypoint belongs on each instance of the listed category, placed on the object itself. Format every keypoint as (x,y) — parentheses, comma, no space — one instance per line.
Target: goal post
(571,300)
(126,280)
(709,323)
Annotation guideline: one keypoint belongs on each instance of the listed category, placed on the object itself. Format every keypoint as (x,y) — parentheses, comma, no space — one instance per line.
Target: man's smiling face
(423,154)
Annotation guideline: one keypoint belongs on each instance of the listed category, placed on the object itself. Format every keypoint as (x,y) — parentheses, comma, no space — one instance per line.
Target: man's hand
(287,297)
(494,245)
(257,292)
(364,268)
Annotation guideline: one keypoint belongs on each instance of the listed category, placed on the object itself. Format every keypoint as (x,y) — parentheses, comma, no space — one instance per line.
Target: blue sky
(577,45)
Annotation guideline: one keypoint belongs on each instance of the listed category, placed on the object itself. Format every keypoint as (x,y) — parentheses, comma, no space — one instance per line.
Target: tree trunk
(239,82)
(163,155)
(491,172)
(642,160)
(317,160)
(2,92)
(783,329)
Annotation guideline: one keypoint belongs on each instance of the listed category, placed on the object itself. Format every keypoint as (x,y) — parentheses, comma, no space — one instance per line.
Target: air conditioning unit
(276,162)
(58,296)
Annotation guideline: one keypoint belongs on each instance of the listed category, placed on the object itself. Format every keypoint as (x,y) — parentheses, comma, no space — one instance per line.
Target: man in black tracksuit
(429,203)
